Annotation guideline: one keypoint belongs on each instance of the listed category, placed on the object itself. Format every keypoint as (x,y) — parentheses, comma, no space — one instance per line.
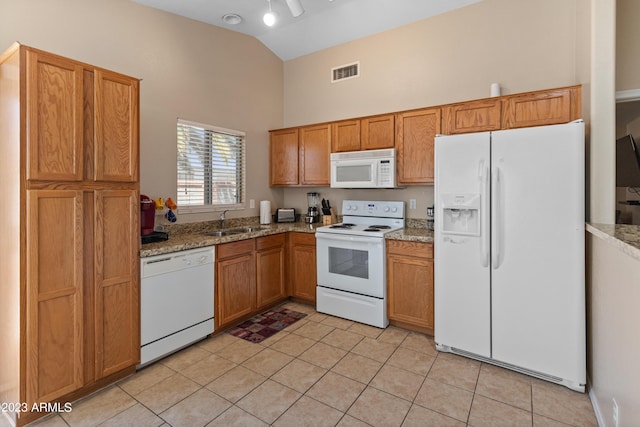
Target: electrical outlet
(412,203)
(252,203)
(616,414)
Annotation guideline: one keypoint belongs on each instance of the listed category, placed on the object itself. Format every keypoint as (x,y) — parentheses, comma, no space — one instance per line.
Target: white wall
(452,57)
(188,69)
(614,347)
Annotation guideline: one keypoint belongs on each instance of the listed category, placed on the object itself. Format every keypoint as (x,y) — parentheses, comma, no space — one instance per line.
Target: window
(211,167)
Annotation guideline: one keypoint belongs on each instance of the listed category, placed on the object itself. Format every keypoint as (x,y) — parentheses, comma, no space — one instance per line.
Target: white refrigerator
(509,250)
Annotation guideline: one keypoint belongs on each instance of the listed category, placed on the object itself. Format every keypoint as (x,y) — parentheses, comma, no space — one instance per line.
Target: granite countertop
(411,234)
(195,238)
(192,236)
(625,237)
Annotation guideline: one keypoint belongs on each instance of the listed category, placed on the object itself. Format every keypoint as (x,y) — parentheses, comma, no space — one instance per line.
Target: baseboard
(594,403)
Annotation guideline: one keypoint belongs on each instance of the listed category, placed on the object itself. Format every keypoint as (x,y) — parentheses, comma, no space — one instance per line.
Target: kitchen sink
(222,233)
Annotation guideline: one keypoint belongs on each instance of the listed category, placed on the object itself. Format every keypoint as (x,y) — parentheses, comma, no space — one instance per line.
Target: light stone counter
(623,236)
(194,237)
(412,235)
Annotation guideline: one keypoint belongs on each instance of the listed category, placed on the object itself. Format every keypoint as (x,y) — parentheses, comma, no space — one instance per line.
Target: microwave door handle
(374,173)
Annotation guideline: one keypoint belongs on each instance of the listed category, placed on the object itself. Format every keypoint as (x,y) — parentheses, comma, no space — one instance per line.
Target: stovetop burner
(380,227)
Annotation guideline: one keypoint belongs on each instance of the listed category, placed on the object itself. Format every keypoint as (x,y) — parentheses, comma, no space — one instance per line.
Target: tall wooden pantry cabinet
(69,294)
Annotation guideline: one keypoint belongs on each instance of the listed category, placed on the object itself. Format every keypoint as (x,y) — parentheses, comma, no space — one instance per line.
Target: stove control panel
(382,209)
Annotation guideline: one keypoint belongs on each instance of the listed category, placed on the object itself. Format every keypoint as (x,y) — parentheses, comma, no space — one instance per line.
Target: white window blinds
(211,167)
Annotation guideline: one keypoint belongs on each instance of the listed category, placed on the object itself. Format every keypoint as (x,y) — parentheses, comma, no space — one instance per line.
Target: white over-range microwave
(364,169)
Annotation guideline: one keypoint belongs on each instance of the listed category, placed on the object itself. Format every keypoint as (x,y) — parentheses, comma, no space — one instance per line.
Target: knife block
(329,219)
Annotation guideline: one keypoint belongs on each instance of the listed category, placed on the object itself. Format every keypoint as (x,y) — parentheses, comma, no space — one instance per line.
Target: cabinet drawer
(270,241)
(413,249)
(298,238)
(227,250)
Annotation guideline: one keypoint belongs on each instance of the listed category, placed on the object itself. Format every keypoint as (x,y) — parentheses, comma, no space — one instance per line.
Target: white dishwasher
(176,301)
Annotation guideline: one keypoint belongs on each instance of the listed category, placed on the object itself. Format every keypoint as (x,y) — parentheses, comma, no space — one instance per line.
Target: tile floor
(327,371)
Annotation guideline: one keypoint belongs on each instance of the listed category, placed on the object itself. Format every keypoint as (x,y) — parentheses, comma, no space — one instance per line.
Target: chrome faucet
(222,217)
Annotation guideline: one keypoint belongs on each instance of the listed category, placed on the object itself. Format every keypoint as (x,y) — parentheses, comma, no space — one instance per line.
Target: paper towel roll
(495,89)
(265,212)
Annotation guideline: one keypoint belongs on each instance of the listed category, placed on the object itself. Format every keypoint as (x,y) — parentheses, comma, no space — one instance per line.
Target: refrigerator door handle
(495,219)
(484,176)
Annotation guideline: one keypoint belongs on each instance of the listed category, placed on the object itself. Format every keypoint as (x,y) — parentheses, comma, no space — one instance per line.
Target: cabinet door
(378,132)
(473,116)
(116,282)
(346,136)
(410,284)
(270,275)
(542,108)
(54,113)
(116,127)
(315,144)
(235,282)
(283,157)
(302,261)
(54,329)
(416,131)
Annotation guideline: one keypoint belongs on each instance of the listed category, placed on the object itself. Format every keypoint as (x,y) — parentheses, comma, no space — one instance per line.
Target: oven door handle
(355,239)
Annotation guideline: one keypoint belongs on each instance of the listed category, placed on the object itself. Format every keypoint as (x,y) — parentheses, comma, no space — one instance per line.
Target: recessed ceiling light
(232,18)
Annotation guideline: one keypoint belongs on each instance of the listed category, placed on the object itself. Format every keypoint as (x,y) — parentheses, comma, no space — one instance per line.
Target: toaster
(285,215)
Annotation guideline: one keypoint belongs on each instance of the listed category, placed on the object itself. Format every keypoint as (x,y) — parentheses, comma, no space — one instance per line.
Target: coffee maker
(313,213)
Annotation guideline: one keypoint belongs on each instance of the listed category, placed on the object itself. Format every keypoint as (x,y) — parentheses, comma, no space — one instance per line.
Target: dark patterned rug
(265,324)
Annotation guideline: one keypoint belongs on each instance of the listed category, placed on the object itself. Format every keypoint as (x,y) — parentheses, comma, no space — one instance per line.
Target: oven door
(351,263)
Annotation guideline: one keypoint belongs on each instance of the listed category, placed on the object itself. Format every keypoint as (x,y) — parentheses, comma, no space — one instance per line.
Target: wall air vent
(345,72)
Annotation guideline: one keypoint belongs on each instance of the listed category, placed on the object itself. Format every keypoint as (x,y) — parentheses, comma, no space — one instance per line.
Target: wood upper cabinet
(315,146)
(415,133)
(235,290)
(302,266)
(55,115)
(283,153)
(85,121)
(116,280)
(270,269)
(345,136)
(54,316)
(116,127)
(369,133)
(473,116)
(378,132)
(410,285)
(542,108)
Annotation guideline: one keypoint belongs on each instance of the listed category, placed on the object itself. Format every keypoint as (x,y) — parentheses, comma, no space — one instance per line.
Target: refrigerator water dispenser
(461,214)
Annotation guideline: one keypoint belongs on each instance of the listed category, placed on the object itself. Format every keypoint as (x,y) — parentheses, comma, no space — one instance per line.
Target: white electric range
(351,261)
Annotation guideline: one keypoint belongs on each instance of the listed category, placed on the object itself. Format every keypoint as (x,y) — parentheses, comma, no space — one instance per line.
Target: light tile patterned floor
(326,371)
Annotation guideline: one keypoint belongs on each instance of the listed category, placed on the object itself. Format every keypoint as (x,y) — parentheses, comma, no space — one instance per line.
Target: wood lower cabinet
(116,281)
(415,133)
(235,288)
(55,325)
(250,276)
(410,285)
(270,270)
(70,297)
(302,266)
